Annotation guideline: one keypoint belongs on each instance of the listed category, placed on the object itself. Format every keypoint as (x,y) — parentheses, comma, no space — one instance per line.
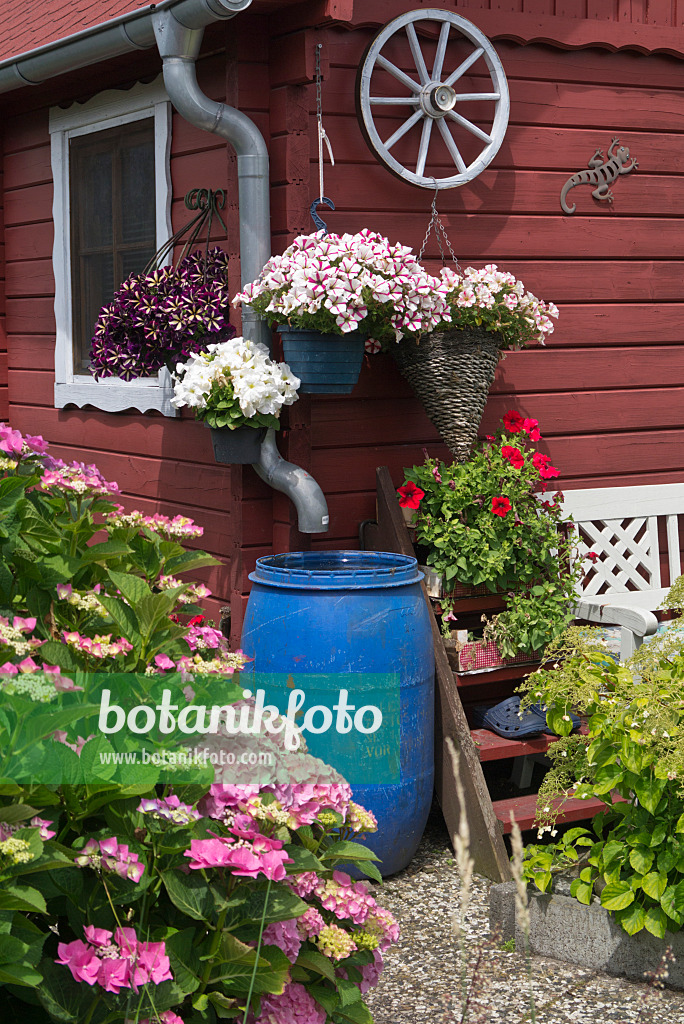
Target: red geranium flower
(532,428)
(410,495)
(513,455)
(500,506)
(513,422)
(592,555)
(196,620)
(547,472)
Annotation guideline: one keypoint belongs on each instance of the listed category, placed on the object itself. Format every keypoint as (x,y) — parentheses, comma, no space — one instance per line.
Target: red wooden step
(524,808)
(491,747)
(494,675)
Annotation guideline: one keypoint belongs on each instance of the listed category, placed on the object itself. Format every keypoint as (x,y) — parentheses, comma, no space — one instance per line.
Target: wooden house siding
(160,464)
(4,403)
(608,388)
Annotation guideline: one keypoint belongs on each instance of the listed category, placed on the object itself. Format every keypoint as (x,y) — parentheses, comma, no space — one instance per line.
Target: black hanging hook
(318,221)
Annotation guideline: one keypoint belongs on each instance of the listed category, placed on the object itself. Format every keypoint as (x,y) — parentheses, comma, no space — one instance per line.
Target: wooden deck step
(491,747)
(524,808)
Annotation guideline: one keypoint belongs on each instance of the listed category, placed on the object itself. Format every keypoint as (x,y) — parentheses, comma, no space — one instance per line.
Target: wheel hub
(437,99)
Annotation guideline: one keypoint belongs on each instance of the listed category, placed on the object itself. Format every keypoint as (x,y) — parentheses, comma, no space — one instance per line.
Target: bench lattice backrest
(621,525)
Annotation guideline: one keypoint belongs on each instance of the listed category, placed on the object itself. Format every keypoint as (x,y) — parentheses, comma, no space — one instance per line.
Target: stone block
(502,910)
(564,929)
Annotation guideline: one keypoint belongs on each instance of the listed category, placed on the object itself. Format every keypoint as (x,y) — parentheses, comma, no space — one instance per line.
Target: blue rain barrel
(359,615)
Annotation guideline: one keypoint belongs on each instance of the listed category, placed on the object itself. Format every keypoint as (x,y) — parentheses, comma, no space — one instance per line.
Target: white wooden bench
(625,585)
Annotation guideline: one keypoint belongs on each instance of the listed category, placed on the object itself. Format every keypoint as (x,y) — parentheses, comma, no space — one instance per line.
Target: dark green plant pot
(241,446)
(326,364)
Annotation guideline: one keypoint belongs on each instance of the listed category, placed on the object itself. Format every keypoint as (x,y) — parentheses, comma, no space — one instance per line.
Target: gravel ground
(421,984)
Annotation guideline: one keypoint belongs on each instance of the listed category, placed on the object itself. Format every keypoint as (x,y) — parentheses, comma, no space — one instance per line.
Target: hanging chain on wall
(322,137)
(207,203)
(435,224)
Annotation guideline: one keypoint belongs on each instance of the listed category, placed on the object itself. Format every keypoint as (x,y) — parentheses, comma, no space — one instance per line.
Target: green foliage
(633,759)
(523,554)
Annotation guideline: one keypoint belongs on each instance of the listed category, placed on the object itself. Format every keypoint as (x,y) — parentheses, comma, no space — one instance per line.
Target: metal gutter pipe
(179,47)
(296,483)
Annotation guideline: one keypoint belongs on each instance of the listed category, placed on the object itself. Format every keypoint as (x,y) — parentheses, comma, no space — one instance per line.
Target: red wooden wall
(160,464)
(4,405)
(607,390)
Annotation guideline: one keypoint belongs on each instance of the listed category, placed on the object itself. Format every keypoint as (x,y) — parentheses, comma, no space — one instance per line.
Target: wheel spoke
(451,146)
(417,54)
(469,97)
(469,126)
(397,73)
(386,101)
(424,146)
(405,127)
(441,50)
(462,68)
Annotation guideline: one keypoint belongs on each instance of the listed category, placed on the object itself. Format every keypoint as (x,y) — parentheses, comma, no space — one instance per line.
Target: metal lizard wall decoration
(601,174)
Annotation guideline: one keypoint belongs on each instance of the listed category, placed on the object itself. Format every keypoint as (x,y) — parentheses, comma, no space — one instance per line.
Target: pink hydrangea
(166,1017)
(382,925)
(262,856)
(115,962)
(310,923)
(304,883)
(302,801)
(285,935)
(293,1006)
(370,973)
(170,809)
(77,477)
(11,441)
(346,899)
(110,855)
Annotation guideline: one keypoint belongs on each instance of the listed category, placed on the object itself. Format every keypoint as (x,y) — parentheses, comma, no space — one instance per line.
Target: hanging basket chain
(207,202)
(435,224)
(322,137)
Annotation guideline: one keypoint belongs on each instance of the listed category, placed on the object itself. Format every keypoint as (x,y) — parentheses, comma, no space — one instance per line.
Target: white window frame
(106,110)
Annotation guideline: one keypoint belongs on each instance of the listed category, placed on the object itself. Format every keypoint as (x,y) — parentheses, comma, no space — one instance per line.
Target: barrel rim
(282,570)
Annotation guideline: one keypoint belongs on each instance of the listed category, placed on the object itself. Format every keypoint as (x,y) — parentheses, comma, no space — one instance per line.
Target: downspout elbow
(296,483)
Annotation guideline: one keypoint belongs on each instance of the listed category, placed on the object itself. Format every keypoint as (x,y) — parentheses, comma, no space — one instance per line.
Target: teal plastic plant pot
(326,364)
(241,446)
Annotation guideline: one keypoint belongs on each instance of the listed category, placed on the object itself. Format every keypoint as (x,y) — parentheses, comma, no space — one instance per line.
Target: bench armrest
(639,620)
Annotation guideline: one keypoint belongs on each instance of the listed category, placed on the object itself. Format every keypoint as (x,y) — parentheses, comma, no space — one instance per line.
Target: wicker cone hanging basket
(451,373)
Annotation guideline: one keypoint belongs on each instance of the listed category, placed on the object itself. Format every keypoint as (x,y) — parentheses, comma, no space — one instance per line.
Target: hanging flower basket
(241,446)
(451,372)
(326,364)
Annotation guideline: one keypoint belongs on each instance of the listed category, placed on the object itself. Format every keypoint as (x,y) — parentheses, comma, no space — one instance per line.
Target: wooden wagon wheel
(434,98)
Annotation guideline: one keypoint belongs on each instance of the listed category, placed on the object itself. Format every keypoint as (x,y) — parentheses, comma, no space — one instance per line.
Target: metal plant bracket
(602,173)
(207,203)
(432,100)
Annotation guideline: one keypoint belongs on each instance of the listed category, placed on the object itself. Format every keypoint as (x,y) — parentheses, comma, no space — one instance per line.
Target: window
(110,163)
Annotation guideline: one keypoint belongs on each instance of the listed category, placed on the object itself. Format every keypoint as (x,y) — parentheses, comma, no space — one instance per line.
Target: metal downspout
(179,47)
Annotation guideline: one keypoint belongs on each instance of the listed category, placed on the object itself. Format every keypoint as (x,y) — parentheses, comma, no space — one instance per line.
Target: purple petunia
(161,318)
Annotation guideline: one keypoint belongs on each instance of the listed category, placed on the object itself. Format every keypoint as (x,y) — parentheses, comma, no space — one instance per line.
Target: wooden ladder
(456,744)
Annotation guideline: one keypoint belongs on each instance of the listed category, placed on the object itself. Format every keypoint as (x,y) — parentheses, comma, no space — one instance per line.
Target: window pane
(137,197)
(97,289)
(113,219)
(135,261)
(95,220)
